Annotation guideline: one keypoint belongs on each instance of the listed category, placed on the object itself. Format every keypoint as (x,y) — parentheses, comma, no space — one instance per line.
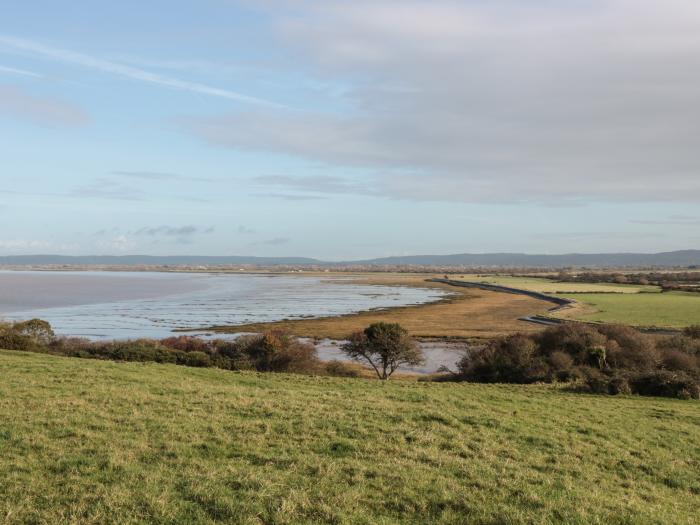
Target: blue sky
(348,130)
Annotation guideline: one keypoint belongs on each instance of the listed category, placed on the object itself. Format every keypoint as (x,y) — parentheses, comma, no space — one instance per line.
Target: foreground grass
(85,441)
(668,309)
(466,314)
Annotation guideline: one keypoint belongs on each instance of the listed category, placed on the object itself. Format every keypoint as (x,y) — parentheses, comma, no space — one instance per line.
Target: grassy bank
(465,314)
(85,441)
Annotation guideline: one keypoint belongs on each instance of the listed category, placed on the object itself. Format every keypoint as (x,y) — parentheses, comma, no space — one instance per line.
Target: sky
(345,130)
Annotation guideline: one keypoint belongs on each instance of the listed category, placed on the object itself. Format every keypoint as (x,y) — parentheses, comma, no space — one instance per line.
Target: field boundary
(561,303)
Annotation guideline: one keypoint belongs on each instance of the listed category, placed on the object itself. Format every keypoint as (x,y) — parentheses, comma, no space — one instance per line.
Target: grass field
(92,442)
(670,309)
(643,306)
(466,314)
(551,286)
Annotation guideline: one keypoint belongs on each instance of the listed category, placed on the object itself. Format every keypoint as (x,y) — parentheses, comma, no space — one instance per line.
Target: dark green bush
(667,384)
(340,369)
(603,359)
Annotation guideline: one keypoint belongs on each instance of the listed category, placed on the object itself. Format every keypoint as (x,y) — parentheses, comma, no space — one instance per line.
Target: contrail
(15,71)
(114,68)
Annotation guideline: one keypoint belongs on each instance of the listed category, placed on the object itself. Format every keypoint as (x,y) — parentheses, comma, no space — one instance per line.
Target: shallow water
(437,354)
(119,305)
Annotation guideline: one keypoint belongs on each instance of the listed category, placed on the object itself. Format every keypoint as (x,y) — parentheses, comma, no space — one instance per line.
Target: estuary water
(121,305)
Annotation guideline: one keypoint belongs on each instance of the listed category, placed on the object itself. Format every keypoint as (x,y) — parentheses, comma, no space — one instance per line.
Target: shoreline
(463,315)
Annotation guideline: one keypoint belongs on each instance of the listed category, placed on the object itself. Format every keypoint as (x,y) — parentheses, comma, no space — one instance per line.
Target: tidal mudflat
(117,305)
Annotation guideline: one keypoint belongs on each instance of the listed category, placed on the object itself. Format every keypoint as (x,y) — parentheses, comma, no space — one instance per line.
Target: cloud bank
(501,101)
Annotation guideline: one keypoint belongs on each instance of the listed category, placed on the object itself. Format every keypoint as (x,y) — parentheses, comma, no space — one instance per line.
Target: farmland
(93,442)
(636,305)
(545,285)
(670,309)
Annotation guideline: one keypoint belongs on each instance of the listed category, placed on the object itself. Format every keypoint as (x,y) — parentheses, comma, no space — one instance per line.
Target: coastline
(462,315)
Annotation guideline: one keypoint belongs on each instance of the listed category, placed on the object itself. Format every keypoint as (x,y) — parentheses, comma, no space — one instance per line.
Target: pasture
(668,310)
(96,442)
(551,286)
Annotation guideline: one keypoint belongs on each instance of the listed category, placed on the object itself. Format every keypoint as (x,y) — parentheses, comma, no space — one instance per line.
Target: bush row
(269,352)
(612,359)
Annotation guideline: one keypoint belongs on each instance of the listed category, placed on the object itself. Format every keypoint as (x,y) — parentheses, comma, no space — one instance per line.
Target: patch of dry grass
(467,313)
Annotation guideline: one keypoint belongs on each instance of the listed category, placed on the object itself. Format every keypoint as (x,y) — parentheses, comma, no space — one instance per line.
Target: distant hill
(155,260)
(664,259)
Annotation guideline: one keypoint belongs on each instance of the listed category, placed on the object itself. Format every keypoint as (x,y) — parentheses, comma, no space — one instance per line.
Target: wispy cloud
(106,189)
(290,196)
(44,111)
(159,176)
(122,70)
(673,220)
(276,241)
(15,71)
(173,231)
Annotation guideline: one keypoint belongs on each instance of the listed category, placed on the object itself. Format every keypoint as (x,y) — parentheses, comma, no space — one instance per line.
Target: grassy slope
(98,442)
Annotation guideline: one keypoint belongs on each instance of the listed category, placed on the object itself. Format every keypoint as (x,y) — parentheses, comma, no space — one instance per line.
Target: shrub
(603,359)
(666,383)
(574,339)
(340,369)
(194,358)
(385,346)
(34,334)
(504,360)
(692,331)
(187,343)
(279,352)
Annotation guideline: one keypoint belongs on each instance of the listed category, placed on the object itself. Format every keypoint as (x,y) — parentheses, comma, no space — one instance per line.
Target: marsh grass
(465,314)
(95,442)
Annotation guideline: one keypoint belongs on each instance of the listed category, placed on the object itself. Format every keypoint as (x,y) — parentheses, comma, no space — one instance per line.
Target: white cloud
(15,71)
(499,101)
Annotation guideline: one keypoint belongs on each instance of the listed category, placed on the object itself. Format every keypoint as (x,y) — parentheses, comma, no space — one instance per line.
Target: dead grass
(466,314)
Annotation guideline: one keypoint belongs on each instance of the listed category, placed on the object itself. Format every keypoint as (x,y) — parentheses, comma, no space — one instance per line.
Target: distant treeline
(688,281)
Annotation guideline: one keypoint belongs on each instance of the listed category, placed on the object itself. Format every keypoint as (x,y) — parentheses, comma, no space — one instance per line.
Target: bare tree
(385,346)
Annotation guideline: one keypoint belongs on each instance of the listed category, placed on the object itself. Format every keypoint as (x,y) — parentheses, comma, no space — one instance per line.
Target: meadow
(98,442)
(631,304)
(551,286)
(668,309)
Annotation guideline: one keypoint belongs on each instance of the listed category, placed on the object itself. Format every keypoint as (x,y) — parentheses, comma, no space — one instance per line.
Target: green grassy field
(670,309)
(85,441)
(636,305)
(543,285)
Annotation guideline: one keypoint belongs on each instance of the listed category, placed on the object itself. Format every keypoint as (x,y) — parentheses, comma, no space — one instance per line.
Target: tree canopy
(385,346)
